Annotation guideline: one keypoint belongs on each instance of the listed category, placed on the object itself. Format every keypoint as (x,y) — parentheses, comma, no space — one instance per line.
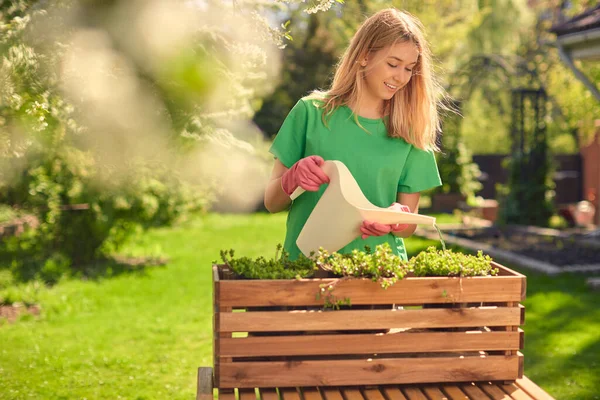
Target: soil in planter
(559,251)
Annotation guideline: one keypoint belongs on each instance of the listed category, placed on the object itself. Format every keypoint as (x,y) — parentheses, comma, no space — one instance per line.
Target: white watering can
(336,219)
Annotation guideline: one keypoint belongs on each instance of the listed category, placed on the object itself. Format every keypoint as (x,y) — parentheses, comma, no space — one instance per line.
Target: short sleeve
(290,142)
(420,172)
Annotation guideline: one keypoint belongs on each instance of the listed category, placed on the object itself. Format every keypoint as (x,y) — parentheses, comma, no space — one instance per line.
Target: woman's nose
(403,77)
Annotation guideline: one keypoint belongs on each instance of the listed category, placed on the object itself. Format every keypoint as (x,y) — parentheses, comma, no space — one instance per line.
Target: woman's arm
(276,199)
(412,201)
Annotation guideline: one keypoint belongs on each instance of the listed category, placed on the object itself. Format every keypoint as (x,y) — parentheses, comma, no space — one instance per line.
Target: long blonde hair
(413,110)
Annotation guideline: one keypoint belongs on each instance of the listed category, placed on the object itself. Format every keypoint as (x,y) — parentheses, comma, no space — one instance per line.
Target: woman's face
(389,70)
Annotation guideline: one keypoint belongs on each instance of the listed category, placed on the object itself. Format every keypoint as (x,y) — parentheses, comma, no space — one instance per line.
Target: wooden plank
(532,389)
(331,394)
(367,372)
(369,343)
(310,393)
(226,394)
(265,321)
(515,392)
(513,328)
(413,393)
(221,335)
(474,392)
(505,271)
(521,364)
(493,391)
(522,338)
(289,394)
(372,394)
(454,393)
(216,325)
(393,393)
(434,393)
(408,291)
(247,394)
(352,394)
(204,390)
(270,394)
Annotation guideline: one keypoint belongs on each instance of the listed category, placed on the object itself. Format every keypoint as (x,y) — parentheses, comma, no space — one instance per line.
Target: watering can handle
(296,193)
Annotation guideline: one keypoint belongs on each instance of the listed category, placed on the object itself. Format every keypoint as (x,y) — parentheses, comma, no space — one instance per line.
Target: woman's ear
(363,60)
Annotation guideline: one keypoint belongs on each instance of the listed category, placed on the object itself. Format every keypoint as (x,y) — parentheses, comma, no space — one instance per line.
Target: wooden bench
(422,338)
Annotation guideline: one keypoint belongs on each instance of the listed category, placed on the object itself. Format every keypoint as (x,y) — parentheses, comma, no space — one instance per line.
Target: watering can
(336,219)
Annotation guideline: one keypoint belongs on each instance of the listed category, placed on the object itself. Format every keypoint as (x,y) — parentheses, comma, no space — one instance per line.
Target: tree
(107,123)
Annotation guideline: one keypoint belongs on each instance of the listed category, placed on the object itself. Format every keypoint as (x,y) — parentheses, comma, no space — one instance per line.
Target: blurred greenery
(106,128)
(484,50)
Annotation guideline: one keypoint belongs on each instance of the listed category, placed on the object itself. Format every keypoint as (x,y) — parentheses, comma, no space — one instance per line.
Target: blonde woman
(379,118)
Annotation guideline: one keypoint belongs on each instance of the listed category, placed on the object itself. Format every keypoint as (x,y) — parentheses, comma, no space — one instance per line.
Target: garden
(132,172)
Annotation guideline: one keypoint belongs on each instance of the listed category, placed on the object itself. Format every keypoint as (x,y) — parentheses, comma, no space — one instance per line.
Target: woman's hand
(306,173)
(369,228)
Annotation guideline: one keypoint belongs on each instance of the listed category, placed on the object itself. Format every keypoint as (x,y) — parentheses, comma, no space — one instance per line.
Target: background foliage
(107,127)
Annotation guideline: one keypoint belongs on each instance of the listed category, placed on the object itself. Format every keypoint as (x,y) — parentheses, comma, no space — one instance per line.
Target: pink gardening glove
(306,173)
(369,228)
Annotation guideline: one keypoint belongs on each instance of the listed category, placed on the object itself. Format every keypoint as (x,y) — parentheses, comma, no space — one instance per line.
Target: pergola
(579,39)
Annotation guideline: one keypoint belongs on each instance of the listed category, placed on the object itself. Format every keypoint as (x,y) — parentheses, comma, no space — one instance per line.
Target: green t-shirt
(382,166)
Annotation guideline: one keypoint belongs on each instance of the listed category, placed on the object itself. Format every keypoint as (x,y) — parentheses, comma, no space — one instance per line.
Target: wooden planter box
(274,333)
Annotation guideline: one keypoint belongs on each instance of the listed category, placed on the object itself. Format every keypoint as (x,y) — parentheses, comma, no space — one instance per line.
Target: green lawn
(142,335)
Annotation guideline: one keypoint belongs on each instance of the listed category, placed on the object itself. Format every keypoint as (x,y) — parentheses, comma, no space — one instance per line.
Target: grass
(142,335)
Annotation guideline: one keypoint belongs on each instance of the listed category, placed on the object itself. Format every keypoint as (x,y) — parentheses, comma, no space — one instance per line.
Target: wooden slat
(352,394)
(311,393)
(369,343)
(331,394)
(265,321)
(522,389)
(493,391)
(514,328)
(421,290)
(289,394)
(226,394)
(373,394)
(434,393)
(268,394)
(532,389)
(204,389)
(393,393)
(515,392)
(454,392)
(367,372)
(247,394)
(216,325)
(474,392)
(413,393)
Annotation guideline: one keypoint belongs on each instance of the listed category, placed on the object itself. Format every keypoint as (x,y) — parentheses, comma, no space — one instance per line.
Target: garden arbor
(513,88)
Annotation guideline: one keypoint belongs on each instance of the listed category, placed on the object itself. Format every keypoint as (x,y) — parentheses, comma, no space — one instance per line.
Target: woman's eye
(409,70)
(393,66)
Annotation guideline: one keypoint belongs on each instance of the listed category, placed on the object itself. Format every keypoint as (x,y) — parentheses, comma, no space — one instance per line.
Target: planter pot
(489,210)
(275,333)
(446,202)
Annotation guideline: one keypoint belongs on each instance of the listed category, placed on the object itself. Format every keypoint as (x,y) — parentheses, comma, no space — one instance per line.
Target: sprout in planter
(381,266)
(275,268)
(434,262)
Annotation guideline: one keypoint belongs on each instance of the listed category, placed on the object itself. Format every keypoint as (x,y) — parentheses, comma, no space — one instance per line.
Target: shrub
(85,214)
